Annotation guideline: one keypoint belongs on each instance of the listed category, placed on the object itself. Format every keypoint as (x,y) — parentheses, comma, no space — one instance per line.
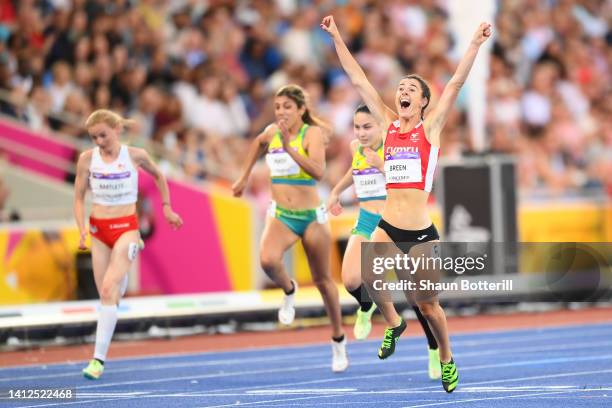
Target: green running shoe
(391,337)
(363,323)
(94,370)
(434,364)
(450,376)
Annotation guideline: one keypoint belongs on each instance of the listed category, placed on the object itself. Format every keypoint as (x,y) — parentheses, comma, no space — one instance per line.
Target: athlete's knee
(269,261)
(351,281)
(109,291)
(368,278)
(428,309)
(323,281)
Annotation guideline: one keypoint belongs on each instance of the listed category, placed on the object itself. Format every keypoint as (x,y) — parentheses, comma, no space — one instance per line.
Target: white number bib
(110,187)
(281,164)
(369,183)
(404,167)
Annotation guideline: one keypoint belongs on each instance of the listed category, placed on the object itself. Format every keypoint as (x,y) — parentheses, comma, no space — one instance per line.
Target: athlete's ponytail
(109,117)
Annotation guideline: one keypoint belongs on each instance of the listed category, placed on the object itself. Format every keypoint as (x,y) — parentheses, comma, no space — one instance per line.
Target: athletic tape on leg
(133,249)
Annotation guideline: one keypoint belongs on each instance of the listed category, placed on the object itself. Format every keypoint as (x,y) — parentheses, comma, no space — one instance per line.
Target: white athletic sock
(123,286)
(106,327)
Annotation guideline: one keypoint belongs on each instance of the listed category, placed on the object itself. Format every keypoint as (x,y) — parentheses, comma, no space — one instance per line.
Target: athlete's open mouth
(404,103)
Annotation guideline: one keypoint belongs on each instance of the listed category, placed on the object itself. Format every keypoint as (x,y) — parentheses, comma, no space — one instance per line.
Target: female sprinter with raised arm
(295,153)
(411,148)
(367,175)
(111,171)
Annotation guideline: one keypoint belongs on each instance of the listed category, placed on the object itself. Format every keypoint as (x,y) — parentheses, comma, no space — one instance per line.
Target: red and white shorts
(108,230)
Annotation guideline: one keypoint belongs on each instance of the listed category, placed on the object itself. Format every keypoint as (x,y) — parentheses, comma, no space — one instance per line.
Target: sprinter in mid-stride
(111,171)
(295,153)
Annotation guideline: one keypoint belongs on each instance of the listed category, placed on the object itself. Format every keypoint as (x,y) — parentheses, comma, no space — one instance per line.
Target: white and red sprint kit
(410,160)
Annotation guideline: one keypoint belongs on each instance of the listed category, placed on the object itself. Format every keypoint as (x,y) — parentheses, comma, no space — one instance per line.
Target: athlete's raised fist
(483,32)
(328,24)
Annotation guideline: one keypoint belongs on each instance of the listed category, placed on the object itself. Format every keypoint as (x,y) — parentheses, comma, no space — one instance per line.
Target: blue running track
(567,366)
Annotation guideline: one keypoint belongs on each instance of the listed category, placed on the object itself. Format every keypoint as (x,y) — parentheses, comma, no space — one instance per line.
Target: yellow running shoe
(94,370)
(434,364)
(363,323)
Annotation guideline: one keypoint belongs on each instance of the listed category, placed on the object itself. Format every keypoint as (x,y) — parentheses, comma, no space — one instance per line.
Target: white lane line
(326,365)
(362,403)
(345,391)
(163,366)
(240,403)
(77,373)
(70,403)
(109,394)
(536,335)
(425,388)
(421,390)
(302,391)
(286,400)
(533,377)
(437,387)
(481,399)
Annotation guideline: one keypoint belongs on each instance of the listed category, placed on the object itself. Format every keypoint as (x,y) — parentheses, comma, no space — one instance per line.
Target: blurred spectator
(193,154)
(38,109)
(536,102)
(61,85)
(149,103)
(6,215)
(199,77)
(169,119)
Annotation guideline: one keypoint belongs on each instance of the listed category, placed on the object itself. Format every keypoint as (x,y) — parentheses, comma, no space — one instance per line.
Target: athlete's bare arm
(258,147)
(333,202)
(346,180)
(141,158)
(80,188)
(434,123)
(370,96)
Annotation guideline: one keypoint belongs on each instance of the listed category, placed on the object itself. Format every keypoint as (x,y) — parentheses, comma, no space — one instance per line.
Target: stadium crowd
(199,75)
